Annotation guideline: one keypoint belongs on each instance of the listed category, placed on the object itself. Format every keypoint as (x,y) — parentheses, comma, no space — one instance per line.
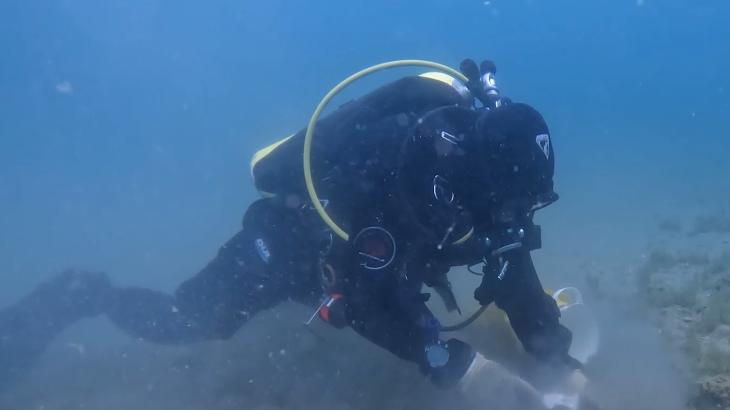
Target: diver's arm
(533,314)
(388,308)
(411,333)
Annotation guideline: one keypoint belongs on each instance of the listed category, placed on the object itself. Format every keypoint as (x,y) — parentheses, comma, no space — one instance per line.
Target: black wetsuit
(279,252)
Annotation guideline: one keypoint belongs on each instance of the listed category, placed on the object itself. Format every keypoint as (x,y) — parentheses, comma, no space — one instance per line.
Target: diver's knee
(72,294)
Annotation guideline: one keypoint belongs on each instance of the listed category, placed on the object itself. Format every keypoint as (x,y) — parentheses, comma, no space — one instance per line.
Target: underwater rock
(716,390)
(675,323)
(717,222)
(675,284)
(686,284)
(670,225)
(714,352)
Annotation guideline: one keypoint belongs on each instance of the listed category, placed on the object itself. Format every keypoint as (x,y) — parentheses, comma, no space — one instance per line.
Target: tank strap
(449,80)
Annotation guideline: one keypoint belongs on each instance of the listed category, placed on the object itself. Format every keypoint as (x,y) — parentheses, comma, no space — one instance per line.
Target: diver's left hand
(575,382)
(489,385)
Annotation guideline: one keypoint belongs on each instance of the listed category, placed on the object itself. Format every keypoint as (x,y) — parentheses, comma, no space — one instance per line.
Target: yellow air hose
(323,103)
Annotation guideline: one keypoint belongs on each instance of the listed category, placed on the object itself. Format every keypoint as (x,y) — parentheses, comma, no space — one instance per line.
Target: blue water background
(126,127)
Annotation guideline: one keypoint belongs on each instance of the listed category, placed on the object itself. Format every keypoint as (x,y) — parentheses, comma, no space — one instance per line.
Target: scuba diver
(426,173)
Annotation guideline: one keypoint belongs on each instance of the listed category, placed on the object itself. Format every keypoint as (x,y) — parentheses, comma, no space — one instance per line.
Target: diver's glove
(542,335)
(535,321)
(550,344)
(457,357)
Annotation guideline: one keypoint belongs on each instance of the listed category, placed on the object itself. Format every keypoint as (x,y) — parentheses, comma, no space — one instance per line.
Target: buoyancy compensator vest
(362,151)
(388,167)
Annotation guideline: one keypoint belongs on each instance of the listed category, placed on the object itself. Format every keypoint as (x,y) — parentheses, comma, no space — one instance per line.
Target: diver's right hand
(482,383)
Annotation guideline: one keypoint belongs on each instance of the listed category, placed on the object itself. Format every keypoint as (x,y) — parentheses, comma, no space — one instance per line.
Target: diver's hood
(515,145)
(434,162)
(516,161)
(462,164)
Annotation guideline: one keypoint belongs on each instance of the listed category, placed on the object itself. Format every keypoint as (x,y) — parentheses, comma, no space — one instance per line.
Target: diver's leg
(243,279)
(255,270)
(27,327)
(211,305)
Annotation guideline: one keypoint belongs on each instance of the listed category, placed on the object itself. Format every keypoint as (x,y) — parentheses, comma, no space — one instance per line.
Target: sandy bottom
(275,362)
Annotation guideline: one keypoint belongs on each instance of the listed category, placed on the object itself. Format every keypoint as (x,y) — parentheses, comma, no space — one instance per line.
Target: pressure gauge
(375,248)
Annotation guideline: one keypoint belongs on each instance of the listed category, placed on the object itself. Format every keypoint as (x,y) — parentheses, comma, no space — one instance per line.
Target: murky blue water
(126,127)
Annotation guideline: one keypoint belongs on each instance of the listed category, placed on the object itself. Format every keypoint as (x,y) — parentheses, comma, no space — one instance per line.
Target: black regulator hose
(458,326)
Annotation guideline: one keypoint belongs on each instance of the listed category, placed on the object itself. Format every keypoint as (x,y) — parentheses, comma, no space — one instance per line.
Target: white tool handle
(574,297)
